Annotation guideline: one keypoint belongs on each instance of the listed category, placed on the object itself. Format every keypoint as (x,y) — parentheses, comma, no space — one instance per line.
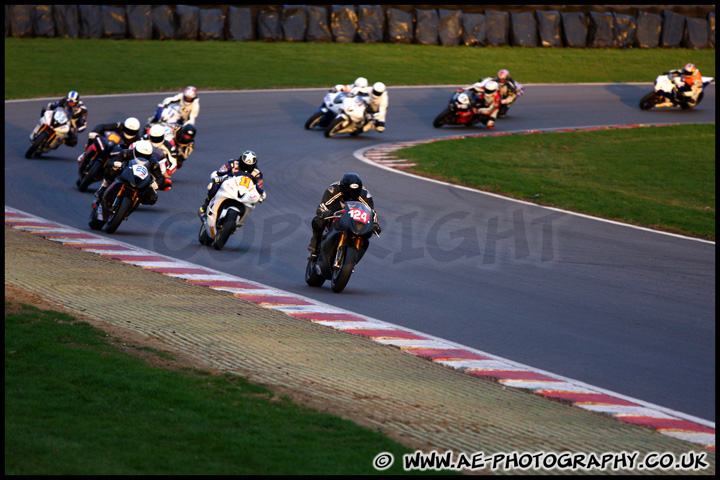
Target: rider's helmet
(491,87)
(361,82)
(689,69)
(247,161)
(131,127)
(156,135)
(503,75)
(186,134)
(477,87)
(143,150)
(351,186)
(378,89)
(72,99)
(189,95)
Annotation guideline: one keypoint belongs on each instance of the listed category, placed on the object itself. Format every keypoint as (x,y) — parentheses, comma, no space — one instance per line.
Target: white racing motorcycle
(228,210)
(667,93)
(351,118)
(54,127)
(327,112)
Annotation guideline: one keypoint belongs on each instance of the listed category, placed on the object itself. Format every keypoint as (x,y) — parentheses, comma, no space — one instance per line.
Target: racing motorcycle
(351,117)
(459,110)
(134,186)
(327,112)
(55,125)
(340,247)
(94,160)
(169,115)
(228,209)
(667,93)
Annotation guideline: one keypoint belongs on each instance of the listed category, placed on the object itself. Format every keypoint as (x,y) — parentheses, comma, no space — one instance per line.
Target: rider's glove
(377,229)
(117,165)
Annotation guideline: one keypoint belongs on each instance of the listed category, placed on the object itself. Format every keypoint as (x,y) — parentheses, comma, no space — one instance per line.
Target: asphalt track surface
(624,309)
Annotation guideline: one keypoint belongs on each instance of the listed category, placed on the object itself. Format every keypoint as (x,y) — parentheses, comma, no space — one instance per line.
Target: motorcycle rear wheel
(311,276)
(91,177)
(314,120)
(116,218)
(226,229)
(443,118)
(341,276)
(37,143)
(336,125)
(648,101)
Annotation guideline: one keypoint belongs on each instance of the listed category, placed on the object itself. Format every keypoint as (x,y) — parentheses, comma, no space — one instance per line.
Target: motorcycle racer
(377,99)
(245,164)
(189,105)
(78,116)
(360,82)
(486,101)
(508,89)
(350,187)
(689,82)
(157,136)
(129,131)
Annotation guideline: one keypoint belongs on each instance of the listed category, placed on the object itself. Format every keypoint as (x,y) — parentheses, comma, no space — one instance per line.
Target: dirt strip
(421,404)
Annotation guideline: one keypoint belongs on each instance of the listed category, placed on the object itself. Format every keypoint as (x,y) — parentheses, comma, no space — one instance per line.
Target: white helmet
(378,89)
(361,82)
(143,149)
(189,94)
(156,134)
(131,127)
(491,87)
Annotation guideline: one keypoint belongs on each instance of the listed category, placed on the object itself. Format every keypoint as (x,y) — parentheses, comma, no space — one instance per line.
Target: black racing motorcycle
(134,186)
(342,246)
(94,159)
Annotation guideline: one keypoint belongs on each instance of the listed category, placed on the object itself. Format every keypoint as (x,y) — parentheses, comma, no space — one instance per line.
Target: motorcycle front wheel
(226,229)
(443,119)
(311,276)
(341,275)
(648,101)
(91,177)
(119,215)
(314,120)
(335,126)
(37,143)
(203,237)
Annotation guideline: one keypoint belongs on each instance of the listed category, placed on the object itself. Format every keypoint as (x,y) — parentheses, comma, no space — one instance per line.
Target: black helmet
(351,186)
(186,134)
(247,161)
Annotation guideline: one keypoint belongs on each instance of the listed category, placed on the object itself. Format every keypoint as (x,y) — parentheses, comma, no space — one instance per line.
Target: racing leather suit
(692,85)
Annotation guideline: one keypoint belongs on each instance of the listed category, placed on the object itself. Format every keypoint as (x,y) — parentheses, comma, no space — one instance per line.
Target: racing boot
(100,191)
(202,211)
(313,246)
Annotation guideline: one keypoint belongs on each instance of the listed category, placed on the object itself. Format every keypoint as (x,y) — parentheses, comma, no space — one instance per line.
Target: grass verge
(658,177)
(76,403)
(52,66)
